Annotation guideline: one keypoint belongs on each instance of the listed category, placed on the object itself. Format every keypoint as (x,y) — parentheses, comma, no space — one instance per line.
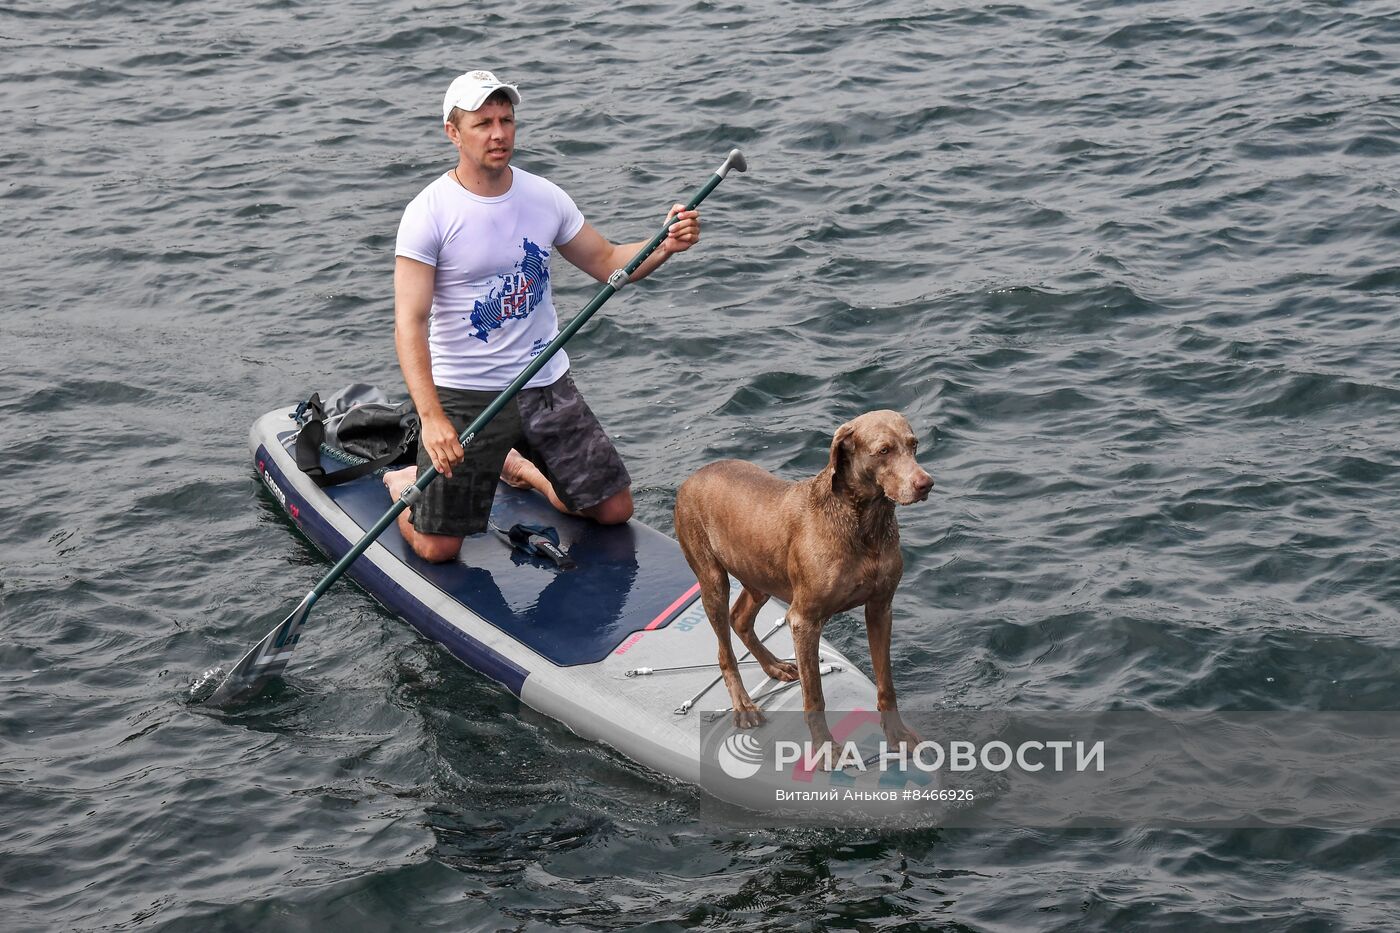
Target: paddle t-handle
(734,160)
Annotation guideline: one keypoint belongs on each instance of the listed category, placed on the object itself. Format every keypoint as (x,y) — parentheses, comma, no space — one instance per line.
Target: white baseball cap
(469,91)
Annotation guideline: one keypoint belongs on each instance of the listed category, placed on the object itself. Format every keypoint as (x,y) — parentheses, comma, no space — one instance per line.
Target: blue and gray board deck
(562,641)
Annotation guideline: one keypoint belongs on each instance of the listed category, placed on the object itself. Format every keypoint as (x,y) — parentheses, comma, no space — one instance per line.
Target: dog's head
(874,455)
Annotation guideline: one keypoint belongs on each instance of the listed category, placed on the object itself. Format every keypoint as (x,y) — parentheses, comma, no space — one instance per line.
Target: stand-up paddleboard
(593,646)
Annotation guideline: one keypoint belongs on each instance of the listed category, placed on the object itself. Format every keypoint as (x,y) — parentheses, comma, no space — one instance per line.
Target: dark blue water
(1130,270)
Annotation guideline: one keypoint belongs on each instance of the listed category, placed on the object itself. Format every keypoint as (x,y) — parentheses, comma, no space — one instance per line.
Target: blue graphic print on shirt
(519,293)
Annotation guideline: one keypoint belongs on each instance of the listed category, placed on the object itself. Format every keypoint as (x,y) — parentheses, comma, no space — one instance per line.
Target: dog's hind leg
(741,617)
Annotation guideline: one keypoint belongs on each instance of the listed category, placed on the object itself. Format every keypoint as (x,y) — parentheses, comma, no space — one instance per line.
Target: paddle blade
(265,661)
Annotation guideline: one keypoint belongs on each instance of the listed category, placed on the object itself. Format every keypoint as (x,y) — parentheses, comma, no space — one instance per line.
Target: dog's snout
(922,484)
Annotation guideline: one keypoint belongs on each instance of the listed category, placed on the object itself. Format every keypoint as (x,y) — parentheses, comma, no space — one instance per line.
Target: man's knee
(615,510)
(437,549)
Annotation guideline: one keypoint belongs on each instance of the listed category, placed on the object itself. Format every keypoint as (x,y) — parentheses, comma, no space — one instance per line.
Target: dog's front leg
(879,617)
(714,594)
(806,640)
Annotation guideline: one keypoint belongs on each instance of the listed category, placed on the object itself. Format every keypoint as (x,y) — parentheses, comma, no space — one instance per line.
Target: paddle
(269,657)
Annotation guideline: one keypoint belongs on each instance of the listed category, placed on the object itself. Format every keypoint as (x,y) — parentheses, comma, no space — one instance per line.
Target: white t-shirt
(493,308)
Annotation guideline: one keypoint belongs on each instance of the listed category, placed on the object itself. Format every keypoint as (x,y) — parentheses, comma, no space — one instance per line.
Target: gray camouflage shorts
(552,426)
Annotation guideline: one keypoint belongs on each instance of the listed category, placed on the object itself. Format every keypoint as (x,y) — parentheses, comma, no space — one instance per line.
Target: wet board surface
(628,578)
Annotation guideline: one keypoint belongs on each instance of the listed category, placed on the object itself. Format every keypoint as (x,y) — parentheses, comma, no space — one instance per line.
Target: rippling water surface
(1129,268)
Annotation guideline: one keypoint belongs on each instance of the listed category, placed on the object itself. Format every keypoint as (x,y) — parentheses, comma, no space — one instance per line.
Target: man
(473,305)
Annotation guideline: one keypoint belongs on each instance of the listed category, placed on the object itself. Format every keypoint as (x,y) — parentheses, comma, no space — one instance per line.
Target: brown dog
(823,545)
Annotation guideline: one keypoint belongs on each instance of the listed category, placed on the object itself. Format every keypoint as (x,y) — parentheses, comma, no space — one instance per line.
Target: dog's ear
(840,461)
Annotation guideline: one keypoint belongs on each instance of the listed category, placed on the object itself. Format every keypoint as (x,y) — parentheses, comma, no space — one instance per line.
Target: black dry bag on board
(358,420)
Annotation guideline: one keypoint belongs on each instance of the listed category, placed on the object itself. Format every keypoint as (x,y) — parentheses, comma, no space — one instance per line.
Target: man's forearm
(628,250)
(411,342)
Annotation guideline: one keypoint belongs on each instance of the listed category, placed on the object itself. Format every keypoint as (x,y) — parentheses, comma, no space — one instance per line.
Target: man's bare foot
(396,481)
(521,473)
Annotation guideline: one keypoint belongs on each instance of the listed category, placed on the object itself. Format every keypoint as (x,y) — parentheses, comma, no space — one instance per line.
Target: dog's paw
(785,671)
(823,757)
(899,734)
(748,716)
